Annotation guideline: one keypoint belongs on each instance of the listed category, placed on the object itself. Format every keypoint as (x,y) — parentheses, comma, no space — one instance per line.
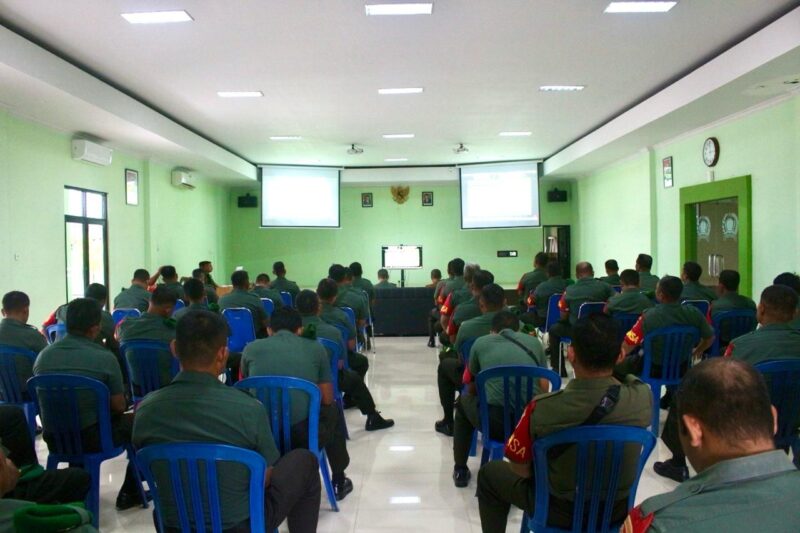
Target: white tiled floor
(401,475)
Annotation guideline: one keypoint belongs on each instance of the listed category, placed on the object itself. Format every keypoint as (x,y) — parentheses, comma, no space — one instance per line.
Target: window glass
(73,202)
(94,205)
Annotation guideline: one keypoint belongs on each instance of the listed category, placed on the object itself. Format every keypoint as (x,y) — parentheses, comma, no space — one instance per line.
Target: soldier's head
(278,268)
(162,301)
(240,279)
(307,303)
(584,269)
(540,260)
(481,279)
(669,289)
(383,275)
(348,275)
(140,277)
(458,266)
(492,298)
(612,267)
(436,275)
(450,269)
(789,279)
(728,282)
(287,319)
(595,346)
(629,278)
(644,263)
(724,412)
(337,273)
(356,269)
(778,304)
(553,269)
(194,290)
(205,266)
(83,317)
(168,273)
(469,271)
(691,271)
(262,280)
(97,291)
(327,290)
(198,273)
(201,342)
(17,305)
(504,320)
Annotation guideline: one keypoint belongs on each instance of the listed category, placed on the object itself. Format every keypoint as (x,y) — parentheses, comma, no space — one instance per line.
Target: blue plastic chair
(345,340)
(195,467)
(273,393)
(370,325)
(598,469)
(736,324)
(12,390)
(57,397)
(240,322)
(144,360)
(179,304)
(336,352)
(617,288)
(55,332)
(585,309)
(553,313)
(675,345)
(351,316)
(122,313)
(626,322)
(702,305)
(287,298)
(519,383)
(465,349)
(783,382)
(269,306)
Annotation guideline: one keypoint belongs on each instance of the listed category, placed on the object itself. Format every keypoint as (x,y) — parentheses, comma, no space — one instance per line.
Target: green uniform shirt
(543,292)
(106,323)
(286,354)
(731,301)
(248,300)
(754,493)
(474,327)
(335,316)
(196,407)
(452,285)
(82,357)
(151,327)
(348,297)
(531,280)
(768,343)
(325,331)
(664,315)
(494,350)
(585,290)
(571,406)
(281,284)
(211,294)
(365,285)
(613,279)
(176,287)
(265,292)
(694,291)
(466,310)
(795,323)
(191,307)
(648,281)
(629,301)
(15,333)
(384,284)
(134,297)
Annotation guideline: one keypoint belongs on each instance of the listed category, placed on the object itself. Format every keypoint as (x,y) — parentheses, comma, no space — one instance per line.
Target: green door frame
(738,188)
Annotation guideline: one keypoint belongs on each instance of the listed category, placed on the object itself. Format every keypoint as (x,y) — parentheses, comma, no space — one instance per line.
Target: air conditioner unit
(83,150)
(183,179)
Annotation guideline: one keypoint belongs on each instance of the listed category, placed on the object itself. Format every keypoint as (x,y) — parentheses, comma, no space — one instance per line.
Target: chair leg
(131,454)
(654,422)
(93,497)
(30,416)
(326,480)
(523,527)
(473,448)
(52,462)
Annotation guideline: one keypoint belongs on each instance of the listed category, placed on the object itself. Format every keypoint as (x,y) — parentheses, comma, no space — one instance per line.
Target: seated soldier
(98,292)
(530,280)
(630,299)
(207,269)
(195,294)
(197,407)
(743,484)
(436,277)
(169,276)
(455,269)
(286,353)
(348,298)
(327,290)
(453,299)
(593,353)
(262,290)
(15,331)
(241,296)
(136,296)
(647,281)
(350,382)
(729,299)
(450,370)
(361,283)
(383,280)
(692,289)
(504,345)
(78,354)
(434,321)
(586,289)
(612,273)
(793,282)
(540,299)
(280,283)
(210,290)
(468,309)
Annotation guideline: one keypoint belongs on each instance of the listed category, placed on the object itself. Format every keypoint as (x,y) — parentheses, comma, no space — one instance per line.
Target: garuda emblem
(400,194)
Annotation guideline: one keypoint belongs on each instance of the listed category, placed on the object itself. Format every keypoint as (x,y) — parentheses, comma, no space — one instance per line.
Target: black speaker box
(248,201)
(556,196)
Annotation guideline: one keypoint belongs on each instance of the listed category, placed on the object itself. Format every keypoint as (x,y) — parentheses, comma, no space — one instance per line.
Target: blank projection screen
(300,197)
(500,196)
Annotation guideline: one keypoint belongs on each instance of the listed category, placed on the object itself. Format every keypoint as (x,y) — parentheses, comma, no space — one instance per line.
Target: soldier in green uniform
(280,283)
(209,289)
(455,282)
(491,301)
(15,331)
(530,280)
(612,273)
(793,282)
(457,296)
(327,291)
(263,290)
(593,353)
(78,354)
(647,281)
(98,292)
(286,353)
(136,296)
(361,283)
(630,300)
(540,298)
(729,298)
(383,280)
(346,297)
(504,345)
(470,308)
(195,293)
(743,484)
(692,289)
(436,277)
(197,407)
(207,269)
(170,277)
(241,296)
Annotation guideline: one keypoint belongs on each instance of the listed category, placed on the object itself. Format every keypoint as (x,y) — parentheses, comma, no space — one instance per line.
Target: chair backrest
(337,353)
(55,332)
(466,348)
(553,313)
(351,315)
(144,360)
(11,386)
(733,324)
(626,321)
(590,308)
(274,393)
(58,397)
(186,475)
(240,322)
(598,471)
(286,296)
(269,306)
(344,331)
(783,382)
(179,304)
(702,305)
(673,345)
(519,382)
(617,288)
(122,313)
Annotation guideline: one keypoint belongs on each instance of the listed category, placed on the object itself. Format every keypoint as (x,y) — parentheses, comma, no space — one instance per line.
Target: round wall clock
(711,151)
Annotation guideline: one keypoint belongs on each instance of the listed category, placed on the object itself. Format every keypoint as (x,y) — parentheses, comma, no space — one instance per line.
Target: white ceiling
(320,63)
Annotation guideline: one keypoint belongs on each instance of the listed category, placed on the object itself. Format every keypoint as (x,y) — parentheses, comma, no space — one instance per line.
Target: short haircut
(327,289)
(355,268)
(790,280)
(584,268)
(141,274)
(469,271)
(82,315)
(645,261)
(671,286)
(383,274)
(201,264)
(15,301)
(194,289)
(450,268)
(493,296)
(458,266)
(436,274)
(553,269)
(240,279)
(199,334)
(505,320)
(262,278)
(279,268)
(482,278)
(348,274)
(286,318)
(164,296)
(729,279)
(693,270)
(198,273)
(307,302)
(780,302)
(595,340)
(612,264)
(541,259)
(729,397)
(98,291)
(336,272)
(169,272)
(629,277)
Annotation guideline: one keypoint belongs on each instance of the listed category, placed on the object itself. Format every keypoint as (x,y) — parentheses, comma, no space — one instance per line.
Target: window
(86,234)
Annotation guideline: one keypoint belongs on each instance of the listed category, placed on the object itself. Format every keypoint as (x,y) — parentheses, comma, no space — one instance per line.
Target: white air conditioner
(83,150)
(183,179)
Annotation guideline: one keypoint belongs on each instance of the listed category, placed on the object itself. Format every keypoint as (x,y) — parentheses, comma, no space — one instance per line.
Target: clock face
(711,151)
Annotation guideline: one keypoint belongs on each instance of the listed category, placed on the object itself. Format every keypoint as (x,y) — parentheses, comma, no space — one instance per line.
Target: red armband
(452,329)
(729,351)
(562,303)
(519,446)
(531,299)
(636,522)
(466,377)
(635,336)
(447,305)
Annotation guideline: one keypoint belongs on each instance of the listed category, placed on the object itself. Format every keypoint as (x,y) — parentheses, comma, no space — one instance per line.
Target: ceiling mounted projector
(460,149)
(355,150)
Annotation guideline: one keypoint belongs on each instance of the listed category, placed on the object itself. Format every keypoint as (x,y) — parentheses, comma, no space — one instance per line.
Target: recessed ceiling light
(396,159)
(639,7)
(157,17)
(565,88)
(514,134)
(240,94)
(420,8)
(285,138)
(398,136)
(401,90)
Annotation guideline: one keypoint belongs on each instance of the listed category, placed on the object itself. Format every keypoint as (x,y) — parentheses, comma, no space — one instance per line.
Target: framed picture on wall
(666,170)
(427,198)
(366,199)
(131,187)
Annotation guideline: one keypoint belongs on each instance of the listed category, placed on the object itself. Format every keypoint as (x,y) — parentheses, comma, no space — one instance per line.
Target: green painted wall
(309,252)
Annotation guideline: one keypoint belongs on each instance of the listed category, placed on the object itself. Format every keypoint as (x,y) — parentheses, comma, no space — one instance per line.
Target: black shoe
(444,427)
(342,488)
(461,475)
(375,422)
(348,402)
(126,500)
(672,471)
(431,343)
(665,400)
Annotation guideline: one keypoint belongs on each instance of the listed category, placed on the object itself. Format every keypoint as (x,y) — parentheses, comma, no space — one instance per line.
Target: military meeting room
(390,266)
